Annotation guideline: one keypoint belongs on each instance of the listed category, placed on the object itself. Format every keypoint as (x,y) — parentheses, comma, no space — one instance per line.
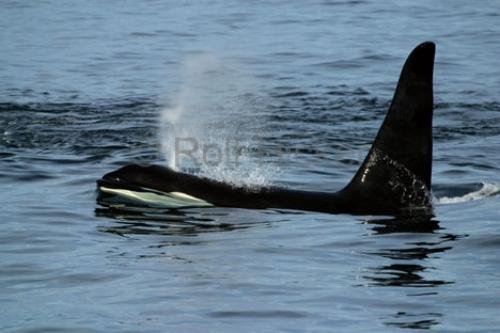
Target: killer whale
(394,178)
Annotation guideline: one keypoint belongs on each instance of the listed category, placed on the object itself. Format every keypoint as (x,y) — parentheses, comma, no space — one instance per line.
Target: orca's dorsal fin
(396,173)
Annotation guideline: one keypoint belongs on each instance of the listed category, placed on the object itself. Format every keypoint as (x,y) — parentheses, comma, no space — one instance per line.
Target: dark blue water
(85,87)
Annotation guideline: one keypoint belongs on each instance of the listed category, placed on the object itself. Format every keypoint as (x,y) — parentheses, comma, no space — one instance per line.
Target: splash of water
(487,190)
(212,126)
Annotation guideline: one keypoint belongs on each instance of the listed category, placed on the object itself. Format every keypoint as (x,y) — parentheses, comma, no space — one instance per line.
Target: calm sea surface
(302,86)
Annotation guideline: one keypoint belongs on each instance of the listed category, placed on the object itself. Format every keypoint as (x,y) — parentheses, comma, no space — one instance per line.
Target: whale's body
(394,178)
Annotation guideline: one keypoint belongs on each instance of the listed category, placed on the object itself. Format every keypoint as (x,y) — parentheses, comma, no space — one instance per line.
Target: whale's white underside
(157,199)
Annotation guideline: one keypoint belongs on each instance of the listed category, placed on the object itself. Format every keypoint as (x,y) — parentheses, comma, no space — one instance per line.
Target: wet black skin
(394,179)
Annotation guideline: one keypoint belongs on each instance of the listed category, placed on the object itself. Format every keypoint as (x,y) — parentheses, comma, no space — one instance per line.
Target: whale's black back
(395,176)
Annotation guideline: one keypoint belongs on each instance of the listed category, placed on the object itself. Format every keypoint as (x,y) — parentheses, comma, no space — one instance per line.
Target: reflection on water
(419,223)
(412,265)
(402,275)
(422,321)
(407,265)
(408,274)
(167,222)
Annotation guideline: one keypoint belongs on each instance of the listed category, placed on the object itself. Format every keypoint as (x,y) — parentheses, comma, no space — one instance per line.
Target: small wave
(487,190)
(293,94)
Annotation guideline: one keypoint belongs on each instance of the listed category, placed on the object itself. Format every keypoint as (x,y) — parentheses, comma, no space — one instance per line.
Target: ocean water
(301,87)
